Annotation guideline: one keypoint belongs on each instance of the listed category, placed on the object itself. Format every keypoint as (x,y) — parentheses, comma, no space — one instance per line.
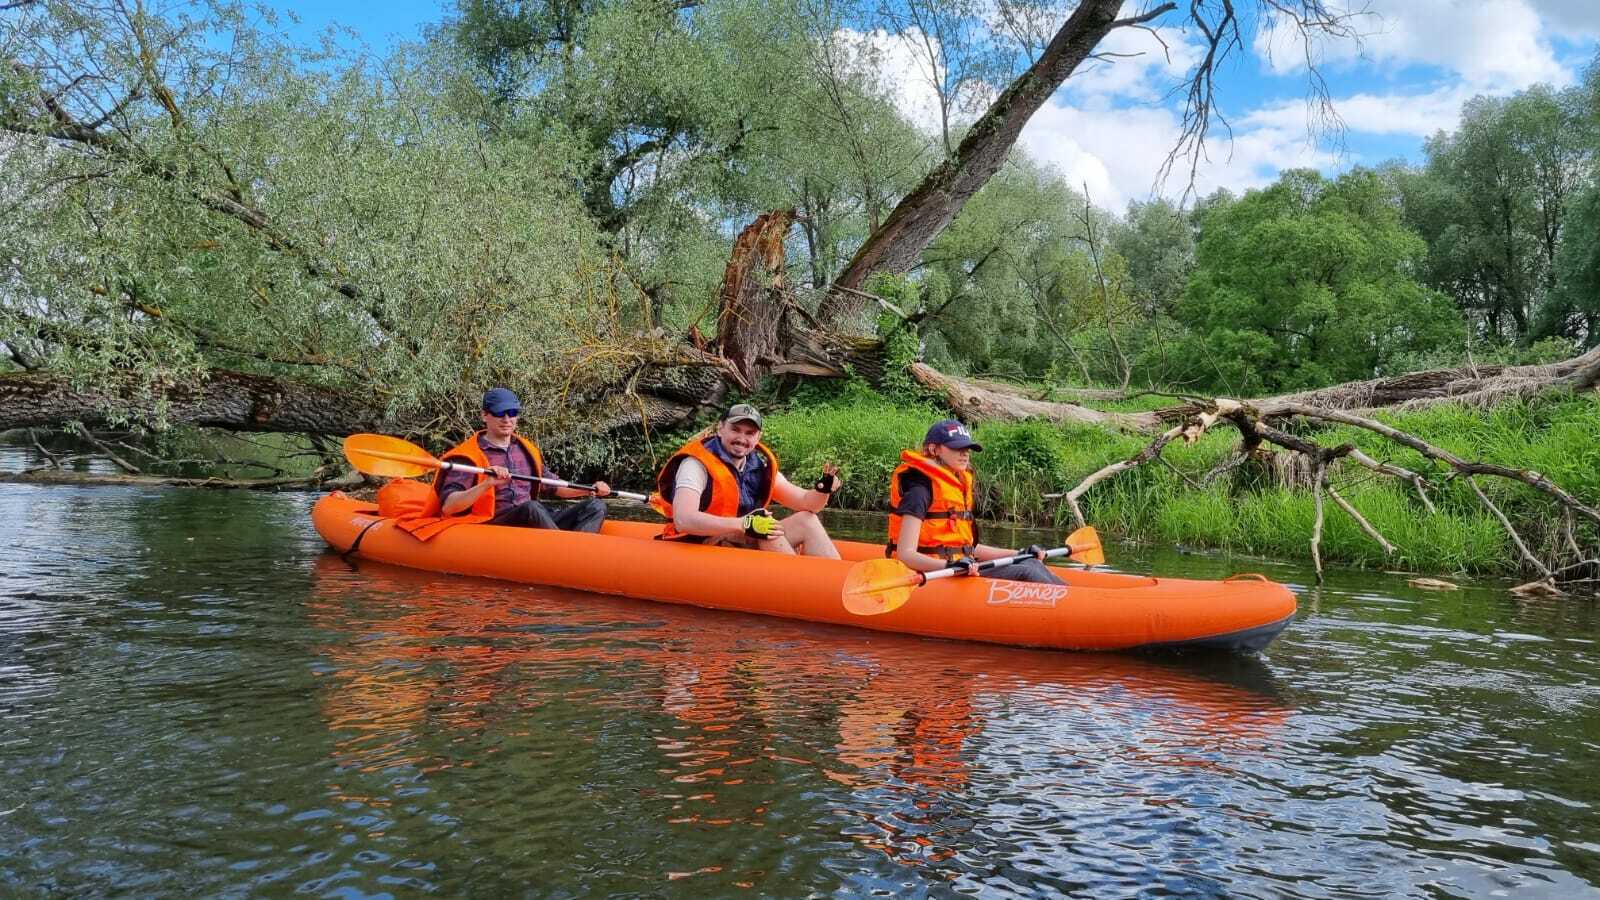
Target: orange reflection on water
(748,702)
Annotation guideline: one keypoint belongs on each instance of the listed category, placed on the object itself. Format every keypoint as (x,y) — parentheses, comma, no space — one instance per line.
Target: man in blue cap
(498,499)
(931,525)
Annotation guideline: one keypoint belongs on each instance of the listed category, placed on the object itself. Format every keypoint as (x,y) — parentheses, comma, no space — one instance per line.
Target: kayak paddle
(392,457)
(877,586)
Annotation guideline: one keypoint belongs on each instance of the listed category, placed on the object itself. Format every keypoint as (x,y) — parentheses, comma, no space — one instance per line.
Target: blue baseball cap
(499,400)
(951,433)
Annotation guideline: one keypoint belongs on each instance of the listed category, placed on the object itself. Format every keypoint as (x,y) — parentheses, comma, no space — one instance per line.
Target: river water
(197,699)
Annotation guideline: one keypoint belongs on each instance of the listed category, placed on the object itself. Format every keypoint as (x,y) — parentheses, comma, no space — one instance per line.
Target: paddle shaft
(988,564)
(552,482)
(440,464)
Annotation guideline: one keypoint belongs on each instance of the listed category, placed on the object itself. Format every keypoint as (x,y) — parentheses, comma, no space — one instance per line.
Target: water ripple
(195,699)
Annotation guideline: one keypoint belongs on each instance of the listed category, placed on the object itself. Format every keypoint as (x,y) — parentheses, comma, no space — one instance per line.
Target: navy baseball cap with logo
(500,401)
(951,434)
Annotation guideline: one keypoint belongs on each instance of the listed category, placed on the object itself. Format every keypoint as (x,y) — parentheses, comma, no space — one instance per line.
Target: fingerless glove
(760,524)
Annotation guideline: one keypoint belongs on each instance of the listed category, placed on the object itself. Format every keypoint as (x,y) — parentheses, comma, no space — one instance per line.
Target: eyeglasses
(508,414)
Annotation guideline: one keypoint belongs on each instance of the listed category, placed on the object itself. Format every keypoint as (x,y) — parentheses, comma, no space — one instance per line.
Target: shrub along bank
(1250,509)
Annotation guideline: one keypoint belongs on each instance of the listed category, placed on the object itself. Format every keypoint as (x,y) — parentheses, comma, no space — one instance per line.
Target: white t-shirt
(692,476)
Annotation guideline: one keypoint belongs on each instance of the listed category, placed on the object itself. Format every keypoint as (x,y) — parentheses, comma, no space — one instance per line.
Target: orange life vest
(721,496)
(428,527)
(948,529)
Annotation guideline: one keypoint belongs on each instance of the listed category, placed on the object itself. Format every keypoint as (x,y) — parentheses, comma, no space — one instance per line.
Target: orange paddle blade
(1085,544)
(387,457)
(877,586)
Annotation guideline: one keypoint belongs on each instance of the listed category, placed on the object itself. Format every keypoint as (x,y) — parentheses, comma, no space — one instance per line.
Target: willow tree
(193,199)
(204,224)
(1493,199)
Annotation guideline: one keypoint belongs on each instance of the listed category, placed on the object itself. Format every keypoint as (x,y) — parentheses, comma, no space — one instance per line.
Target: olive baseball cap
(743,412)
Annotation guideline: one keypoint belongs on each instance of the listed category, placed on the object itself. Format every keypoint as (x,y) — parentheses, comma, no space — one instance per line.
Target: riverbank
(1253,508)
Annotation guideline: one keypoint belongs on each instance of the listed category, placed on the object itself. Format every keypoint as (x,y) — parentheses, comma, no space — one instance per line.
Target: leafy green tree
(1492,201)
(194,194)
(1308,283)
(1573,307)
(685,120)
(1156,239)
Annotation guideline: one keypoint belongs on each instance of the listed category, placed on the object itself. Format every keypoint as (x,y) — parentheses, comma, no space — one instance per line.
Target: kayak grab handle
(1243,575)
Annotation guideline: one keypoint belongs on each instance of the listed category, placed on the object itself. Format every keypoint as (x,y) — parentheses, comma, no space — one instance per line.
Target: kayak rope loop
(356,544)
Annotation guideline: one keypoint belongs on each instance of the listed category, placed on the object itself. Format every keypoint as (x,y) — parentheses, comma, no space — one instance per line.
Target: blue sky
(1111,126)
(376,24)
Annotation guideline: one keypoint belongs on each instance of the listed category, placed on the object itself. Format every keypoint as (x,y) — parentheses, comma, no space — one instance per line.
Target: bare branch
(1526,476)
(1219,25)
(1505,523)
(1388,548)
(1150,452)
(1224,467)
(1383,468)
(110,454)
(1316,529)
(1145,17)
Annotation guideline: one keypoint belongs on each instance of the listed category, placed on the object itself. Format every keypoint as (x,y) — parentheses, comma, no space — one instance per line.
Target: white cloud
(1117,153)
(1136,64)
(1493,45)
(1571,19)
(1419,115)
(903,70)
(1114,122)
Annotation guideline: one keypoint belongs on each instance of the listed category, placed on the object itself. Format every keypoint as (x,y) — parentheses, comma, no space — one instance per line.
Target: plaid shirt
(516,461)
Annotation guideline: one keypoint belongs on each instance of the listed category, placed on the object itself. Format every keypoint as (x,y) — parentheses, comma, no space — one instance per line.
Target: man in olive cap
(717,489)
(498,498)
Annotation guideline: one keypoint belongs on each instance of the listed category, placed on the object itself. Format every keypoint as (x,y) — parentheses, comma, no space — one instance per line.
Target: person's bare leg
(804,530)
(776,545)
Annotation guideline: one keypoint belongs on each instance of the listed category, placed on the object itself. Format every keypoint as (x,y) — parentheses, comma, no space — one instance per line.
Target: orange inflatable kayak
(1094,611)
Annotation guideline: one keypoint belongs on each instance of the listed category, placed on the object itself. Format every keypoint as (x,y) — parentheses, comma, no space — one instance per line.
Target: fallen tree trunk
(235,401)
(978,401)
(985,401)
(316,482)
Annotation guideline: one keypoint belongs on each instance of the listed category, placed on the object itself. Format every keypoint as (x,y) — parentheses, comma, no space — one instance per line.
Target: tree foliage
(1305,283)
(1492,202)
(197,193)
(545,193)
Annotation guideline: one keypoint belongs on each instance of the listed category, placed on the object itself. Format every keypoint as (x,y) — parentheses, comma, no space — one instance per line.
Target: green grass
(1243,510)
(864,436)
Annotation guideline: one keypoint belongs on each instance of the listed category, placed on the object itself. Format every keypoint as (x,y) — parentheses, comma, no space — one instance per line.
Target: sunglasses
(508,414)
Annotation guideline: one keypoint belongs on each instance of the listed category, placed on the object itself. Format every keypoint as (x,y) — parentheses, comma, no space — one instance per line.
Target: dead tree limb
(1388,548)
(1383,468)
(110,454)
(1461,466)
(1254,431)
(1527,555)
(1316,528)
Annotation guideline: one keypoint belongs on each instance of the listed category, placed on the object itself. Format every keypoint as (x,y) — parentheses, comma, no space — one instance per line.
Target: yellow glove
(760,524)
